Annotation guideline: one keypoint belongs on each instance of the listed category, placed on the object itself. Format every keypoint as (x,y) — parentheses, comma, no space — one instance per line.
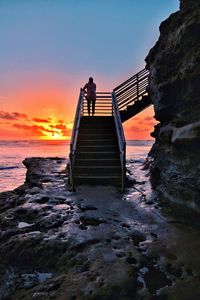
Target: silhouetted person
(90,89)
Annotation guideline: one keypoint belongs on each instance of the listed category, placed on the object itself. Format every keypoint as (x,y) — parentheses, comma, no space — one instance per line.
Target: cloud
(59,129)
(35,129)
(148,122)
(12,116)
(63,129)
(136,118)
(149,118)
(151,123)
(39,120)
(60,126)
(22,126)
(137,129)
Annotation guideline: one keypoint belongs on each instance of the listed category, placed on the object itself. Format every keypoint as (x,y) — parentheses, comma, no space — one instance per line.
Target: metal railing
(73,143)
(132,89)
(103,106)
(110,104)
(120,137)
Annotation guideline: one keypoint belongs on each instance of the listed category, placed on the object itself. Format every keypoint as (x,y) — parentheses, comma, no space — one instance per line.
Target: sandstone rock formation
(174,64)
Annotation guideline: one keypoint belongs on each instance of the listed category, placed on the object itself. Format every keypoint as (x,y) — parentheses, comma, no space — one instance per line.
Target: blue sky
(49,48)
(107,38)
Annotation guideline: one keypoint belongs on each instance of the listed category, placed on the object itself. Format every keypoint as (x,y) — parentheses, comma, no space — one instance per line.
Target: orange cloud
(149,118)
(39,120)
(35,129)
(136,128)
(12,115)
(63,129)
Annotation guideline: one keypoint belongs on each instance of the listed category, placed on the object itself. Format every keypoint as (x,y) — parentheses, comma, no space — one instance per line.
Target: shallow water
(12,153)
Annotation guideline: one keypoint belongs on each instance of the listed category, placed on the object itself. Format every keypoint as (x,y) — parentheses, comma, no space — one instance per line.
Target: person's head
(90,80)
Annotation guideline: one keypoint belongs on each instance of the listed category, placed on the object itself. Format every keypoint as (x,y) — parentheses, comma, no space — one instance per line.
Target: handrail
(120,136)
(103,106)
(73,142)
(130,79)
(132,89)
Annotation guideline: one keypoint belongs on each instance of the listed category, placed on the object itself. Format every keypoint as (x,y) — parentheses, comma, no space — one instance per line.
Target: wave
(136,161)
(8,168)
(139,143)
(22,143)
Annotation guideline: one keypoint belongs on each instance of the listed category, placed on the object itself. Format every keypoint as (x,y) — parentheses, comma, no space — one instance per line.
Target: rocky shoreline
(95,243)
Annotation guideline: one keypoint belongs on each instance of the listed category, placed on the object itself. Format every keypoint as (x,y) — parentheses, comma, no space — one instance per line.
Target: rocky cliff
(174,65)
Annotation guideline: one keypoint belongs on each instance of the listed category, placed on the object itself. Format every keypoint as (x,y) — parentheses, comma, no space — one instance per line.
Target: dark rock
(92,221)
(86,207)
(131,260)
(125,225)
(175,90)
(155,279)
(174,270)
(42,200)
(138,237)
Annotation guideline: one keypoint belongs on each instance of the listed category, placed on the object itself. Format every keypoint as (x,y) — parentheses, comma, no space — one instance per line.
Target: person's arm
(85,87)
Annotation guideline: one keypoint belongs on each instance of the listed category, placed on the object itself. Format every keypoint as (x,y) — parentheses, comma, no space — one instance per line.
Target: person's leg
(88,106)
(93,107)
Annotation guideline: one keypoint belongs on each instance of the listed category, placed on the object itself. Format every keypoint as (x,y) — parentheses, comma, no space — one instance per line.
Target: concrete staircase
(97,158)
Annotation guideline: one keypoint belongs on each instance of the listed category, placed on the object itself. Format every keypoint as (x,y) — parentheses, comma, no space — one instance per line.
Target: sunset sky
(49,49)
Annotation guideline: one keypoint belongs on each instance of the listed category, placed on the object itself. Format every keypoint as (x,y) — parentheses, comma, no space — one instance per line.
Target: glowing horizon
(47,54)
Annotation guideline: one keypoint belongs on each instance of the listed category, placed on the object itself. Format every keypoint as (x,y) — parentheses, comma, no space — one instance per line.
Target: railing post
(121,138)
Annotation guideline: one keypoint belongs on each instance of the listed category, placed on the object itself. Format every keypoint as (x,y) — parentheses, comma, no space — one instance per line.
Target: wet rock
(92,221)
(124,225)
(129,181)
(34,190)
(174,270)
(138,237)
(85,246)
(155,279)
(131,260)
(42,200)
(7,283)
(86,207)
(40,295)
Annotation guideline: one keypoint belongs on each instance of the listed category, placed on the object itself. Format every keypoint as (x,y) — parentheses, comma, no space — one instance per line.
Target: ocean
(12,153)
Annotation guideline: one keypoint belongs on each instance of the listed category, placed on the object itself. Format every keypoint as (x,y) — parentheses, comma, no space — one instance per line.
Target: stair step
(97,148)
(97,125)
(100,142)
(97,170)
(97,162)
(99,136)
(97,155)
(96,119)
(97,180)
(93,130)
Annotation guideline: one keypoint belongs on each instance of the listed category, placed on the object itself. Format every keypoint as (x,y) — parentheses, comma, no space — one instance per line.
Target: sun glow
(54,136)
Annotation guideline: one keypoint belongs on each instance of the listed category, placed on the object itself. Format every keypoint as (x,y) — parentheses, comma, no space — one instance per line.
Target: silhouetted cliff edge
(174,64)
